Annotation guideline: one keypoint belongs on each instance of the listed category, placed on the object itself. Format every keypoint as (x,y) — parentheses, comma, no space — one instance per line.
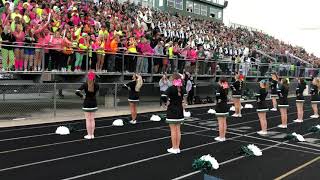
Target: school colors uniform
(222,99)
(274,88)
(236,89)
(90,101)
(299,92)
(133,94)
(175,108)
(283,97)
(261,100)
(314,91)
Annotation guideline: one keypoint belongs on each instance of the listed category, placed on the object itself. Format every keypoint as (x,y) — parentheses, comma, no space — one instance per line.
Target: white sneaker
(273,109)
(282,126)
(133,122)
(87,137)
(315,116)
(239,115)
(298,121)
(92,137)
(220,139)
(173,151)
(262,132)
(178,151)
(235,115)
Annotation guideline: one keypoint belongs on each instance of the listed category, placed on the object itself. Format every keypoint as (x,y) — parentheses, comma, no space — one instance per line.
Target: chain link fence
(51,100)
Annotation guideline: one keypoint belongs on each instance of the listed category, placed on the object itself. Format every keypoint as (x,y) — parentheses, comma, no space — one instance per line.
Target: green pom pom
(163,117)
(204,166)
(314,129)
(244,150)
(290,137)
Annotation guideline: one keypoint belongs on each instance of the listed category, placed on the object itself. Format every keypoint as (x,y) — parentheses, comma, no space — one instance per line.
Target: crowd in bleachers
(62,35)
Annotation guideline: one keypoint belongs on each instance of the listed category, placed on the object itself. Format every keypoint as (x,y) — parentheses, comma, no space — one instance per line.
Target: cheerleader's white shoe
(273,109)
(298,121)
(235,115)
(282,126)
(87,137)
(220,139)
(173,151)
(262,132)
(133,122)
(315,116)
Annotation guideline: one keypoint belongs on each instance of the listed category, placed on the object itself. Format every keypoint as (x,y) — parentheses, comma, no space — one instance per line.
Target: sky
(294,21)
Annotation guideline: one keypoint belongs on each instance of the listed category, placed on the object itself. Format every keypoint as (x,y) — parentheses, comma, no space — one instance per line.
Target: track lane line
(298,168)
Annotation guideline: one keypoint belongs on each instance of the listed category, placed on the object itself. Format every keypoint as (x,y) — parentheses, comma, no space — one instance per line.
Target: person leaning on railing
(7,49)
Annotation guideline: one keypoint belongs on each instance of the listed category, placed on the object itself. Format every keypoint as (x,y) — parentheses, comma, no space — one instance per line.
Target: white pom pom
(62,130)
(248,106)
(232,108)
(256,151)
(299,137)
(118,122)
(211,111)
(155,118)
(186,114)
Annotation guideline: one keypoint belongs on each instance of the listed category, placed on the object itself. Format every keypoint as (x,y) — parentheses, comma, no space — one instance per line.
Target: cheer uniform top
(299,92)
(133,94)
(90,101)
(274,88)
(314,91)
(236,89)
(175,108)
(222,99)
(283,97)
(261,100)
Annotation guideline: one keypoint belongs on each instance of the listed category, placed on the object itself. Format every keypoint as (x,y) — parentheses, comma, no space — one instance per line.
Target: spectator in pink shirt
(145,49)
(19,51)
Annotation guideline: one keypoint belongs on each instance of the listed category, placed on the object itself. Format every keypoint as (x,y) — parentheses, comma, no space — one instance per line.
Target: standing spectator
(7,50)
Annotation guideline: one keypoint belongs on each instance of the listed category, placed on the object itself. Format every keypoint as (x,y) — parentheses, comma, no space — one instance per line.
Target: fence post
(196,78)
(43,60)
(87,61)
(152,68)
(123,69)
(115,96)
(55,100)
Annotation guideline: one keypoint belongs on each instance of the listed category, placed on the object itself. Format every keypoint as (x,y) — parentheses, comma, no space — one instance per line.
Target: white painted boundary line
(159,156)
(229,161)
(99,127)
(103,136)
(91,152)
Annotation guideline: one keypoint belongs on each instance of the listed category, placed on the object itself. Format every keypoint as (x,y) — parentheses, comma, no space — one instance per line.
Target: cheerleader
(90,103)
(314,91)
(175,116)
(283,102)
(236,95)
(262,108)
(300,99)
(222,110)
(134,88)
(274,88)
